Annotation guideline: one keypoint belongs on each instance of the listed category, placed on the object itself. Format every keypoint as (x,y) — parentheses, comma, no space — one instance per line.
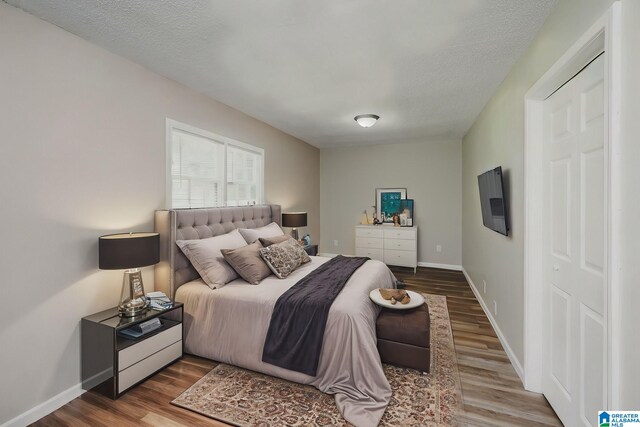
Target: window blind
(207,172)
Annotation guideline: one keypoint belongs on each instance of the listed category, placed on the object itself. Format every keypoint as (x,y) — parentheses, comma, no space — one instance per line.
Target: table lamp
(129,252)
(294,220)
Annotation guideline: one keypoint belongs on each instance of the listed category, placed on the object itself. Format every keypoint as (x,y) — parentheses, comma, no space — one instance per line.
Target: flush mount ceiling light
(366,120)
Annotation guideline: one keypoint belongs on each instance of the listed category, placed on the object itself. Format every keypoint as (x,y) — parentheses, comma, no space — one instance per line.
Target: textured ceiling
(427,67)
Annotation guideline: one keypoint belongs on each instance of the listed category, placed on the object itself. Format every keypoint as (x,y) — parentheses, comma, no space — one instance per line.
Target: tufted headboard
(174,269)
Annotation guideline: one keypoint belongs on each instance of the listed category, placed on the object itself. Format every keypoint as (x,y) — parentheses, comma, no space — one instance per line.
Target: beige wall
(497,139)
(430,170)
(82,153)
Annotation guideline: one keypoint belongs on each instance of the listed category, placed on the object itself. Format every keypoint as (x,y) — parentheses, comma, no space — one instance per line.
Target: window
(208,170)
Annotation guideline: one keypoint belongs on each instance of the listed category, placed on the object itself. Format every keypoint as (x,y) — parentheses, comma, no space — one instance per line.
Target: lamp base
(294,233)
(132,298)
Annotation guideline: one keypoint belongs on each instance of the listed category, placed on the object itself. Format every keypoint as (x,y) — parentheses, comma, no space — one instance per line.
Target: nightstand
(112,363)
(311,250)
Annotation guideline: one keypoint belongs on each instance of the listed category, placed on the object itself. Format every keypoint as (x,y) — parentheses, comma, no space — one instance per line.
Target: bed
(230,324)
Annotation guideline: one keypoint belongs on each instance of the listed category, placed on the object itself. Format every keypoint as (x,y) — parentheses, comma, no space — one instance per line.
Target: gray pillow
(206,257)
(247,263)
(253,234)
(283,258)
(268,241)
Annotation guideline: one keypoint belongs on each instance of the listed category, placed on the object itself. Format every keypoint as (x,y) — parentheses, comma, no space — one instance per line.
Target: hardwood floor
(492,392)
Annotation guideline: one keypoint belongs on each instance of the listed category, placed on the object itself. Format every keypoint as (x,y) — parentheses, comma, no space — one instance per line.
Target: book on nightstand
(143,328)
(159,301)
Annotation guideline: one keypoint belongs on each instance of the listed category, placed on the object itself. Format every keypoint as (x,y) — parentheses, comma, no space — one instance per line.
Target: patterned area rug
(246,398)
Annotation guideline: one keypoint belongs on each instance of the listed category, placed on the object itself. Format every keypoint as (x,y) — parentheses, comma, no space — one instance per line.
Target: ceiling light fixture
(366,120)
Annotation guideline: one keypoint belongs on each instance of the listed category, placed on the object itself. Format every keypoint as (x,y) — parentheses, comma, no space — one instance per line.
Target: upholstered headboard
(174,268)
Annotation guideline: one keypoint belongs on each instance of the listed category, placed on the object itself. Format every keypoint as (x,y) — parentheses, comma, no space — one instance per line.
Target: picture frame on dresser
(385,198)
(404,209)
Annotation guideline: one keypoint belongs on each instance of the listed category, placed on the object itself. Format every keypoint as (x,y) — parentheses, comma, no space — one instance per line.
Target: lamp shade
(294,219)
(128,250)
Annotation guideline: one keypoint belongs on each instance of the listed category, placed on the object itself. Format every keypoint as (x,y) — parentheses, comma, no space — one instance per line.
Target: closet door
(575,248)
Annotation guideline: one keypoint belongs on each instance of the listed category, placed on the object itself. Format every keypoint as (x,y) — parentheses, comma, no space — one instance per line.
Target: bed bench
(404,336)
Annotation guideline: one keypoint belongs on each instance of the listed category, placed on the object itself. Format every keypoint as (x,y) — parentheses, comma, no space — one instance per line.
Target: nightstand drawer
(401,258)
(369,243)
(376,254)
(398,233)
(368,232)
(148,366)
(400,244)
(149,346)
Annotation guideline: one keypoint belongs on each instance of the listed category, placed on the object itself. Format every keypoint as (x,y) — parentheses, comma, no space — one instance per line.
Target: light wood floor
(491,390)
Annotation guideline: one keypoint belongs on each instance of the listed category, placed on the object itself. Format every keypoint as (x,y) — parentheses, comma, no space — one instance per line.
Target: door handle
(556,267)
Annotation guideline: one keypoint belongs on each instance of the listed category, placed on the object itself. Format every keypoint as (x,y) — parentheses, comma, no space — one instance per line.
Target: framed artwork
(404,210)
(386,202)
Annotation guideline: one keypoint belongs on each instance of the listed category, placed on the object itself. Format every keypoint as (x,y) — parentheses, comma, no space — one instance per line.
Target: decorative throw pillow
(206,257)
(268,241)
(247,263)
(282,258)
(253,234)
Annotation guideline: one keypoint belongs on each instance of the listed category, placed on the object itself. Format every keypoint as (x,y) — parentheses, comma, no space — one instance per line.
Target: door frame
(604,35)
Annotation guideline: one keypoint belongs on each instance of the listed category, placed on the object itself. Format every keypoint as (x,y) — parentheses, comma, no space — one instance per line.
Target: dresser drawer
(149,346)
(376,254)
(400,244)
(398,233)
(148,366)
(369,232)
(369,243)
(402,258)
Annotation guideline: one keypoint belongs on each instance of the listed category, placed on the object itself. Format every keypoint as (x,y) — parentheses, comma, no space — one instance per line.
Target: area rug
(245,398)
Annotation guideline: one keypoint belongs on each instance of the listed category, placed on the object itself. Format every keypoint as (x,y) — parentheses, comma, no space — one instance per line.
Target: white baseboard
(443,266)
(505,344)
(45,408)
(61,399)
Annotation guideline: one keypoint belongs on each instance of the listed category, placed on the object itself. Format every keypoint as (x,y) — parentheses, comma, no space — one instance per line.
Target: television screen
(493,202)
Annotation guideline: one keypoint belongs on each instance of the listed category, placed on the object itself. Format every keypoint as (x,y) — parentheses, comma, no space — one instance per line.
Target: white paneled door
(573,315)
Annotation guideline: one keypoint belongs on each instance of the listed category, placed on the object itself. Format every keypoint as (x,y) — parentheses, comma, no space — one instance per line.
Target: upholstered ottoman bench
(403,337)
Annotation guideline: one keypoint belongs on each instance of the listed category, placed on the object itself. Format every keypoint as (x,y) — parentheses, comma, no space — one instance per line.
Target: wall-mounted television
(493,201)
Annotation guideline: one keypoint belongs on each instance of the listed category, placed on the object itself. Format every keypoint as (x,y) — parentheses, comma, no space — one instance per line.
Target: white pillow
(253,234)
(206,257)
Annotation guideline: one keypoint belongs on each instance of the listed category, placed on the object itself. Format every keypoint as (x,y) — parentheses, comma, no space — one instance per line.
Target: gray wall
(83,154)
(497,138)
(430,170)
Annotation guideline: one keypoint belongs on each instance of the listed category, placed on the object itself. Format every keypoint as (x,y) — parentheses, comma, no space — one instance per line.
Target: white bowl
(416,300)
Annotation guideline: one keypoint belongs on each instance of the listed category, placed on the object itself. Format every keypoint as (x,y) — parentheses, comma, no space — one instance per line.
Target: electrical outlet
(484,285)
(335,243)
(495,308)
(438,248)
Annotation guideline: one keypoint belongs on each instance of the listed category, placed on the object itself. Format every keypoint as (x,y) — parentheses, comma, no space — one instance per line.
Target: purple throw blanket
(296,329)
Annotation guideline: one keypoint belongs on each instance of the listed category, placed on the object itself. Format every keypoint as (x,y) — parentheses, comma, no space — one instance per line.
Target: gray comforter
(230,325)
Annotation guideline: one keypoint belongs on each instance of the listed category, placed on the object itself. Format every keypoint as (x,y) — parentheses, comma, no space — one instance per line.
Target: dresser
(391,245)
